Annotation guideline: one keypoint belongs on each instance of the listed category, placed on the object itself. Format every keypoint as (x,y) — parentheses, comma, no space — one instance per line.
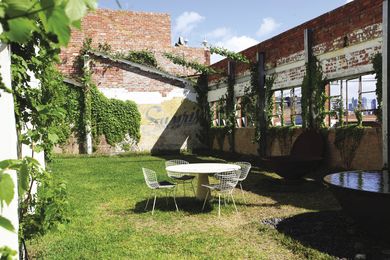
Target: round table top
(203,168)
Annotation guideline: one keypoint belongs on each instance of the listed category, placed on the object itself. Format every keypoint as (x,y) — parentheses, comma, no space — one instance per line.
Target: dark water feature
(371,181)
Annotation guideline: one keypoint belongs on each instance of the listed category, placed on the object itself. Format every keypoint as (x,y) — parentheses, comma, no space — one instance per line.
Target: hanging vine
(377,64)
(313,96)
(230,55)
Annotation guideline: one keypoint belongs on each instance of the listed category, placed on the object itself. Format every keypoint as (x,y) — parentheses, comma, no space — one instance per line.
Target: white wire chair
(151,181)
(244,171)
(228,181)
(180,178)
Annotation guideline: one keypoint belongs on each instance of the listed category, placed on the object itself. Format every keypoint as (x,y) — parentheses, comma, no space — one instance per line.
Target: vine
(377,64)
(233,56)
(200,68)
(313,96)
(201,88)
(347,140)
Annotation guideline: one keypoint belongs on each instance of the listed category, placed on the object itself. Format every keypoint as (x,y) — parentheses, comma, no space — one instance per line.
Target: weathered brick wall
(125,31)
(344,41)
(368,154)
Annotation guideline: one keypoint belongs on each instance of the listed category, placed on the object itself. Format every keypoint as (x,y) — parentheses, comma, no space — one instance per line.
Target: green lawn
(108,194)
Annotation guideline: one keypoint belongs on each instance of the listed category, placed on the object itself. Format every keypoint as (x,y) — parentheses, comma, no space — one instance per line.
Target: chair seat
(216,187)
(183,178)
(165,184)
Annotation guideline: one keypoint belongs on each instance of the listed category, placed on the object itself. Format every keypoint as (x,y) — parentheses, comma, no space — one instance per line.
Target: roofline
(140,67)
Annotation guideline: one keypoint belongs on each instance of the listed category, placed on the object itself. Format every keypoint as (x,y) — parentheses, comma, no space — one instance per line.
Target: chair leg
(154,203)
(174,200)
(242,192)
(192,184)
(234,203)
(147,202)
(205,199)
(219,204)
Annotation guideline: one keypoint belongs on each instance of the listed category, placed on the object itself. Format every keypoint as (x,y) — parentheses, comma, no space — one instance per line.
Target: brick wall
(125,31)
(344,40)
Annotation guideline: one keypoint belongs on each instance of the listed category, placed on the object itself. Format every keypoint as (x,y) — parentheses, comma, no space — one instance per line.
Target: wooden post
(385,85)
(262,117)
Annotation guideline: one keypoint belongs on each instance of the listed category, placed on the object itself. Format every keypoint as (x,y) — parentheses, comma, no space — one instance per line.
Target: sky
(235,25)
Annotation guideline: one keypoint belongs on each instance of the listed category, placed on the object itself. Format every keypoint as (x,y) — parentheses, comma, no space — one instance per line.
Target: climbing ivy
(283,134)
(204,118)
(377,64)
(313,96)
(113,118)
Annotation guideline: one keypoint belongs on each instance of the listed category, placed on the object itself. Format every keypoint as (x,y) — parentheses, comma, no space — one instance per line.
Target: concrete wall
(368,154)
(344,41)
(8,150)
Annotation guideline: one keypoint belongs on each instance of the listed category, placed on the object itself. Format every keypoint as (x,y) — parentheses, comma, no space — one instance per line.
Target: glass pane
(368,83)
(287,102)
(335,88)
(277,105)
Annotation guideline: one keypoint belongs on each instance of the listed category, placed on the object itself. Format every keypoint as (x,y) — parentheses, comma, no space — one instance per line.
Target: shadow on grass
(333,233)
(186,204)
(305,193)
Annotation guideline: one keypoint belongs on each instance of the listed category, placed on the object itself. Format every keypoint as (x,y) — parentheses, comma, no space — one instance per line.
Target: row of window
(353,94)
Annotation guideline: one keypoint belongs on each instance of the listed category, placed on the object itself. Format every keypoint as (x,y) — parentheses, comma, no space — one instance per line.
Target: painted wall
(8,142)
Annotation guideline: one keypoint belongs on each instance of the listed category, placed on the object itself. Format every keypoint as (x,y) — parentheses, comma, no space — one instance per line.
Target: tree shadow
(333,233)
(305,193)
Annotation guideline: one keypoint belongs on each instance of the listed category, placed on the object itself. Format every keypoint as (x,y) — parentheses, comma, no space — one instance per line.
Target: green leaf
(58,23)
(53,138)
(23,178)
(6,188)
(5,223)
(10,164)
(20,29)
(18,7)
(75,10)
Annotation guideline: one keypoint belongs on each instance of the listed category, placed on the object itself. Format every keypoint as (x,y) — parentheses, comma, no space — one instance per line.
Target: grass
(108,194)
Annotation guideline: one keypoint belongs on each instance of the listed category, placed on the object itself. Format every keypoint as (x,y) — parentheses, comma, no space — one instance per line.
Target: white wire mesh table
(202,170)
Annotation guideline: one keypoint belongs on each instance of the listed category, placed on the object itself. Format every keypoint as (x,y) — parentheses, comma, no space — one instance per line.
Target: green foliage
(338,107)
(377,64)
(204,118)
(200,68)
(43,110)
(49,203)
(347,140)
(7,253)
(231,55)
(313,96)
(115,119)
(19,18)
(142,57)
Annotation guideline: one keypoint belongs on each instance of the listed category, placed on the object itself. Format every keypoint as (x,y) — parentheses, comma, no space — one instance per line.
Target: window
(287,107)
(242,120)
(218,113)
(352,94)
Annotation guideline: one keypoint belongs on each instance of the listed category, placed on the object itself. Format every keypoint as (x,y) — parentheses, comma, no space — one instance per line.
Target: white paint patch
(144,98)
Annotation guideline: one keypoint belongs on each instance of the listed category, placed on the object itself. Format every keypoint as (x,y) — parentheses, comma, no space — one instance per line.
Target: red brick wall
(125,31)
(326,28)
(110,74)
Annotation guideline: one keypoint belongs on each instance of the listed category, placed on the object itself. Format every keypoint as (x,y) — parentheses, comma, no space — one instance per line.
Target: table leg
(201,191)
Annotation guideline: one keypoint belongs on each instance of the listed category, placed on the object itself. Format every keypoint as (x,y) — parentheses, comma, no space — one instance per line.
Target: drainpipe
(87,106)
